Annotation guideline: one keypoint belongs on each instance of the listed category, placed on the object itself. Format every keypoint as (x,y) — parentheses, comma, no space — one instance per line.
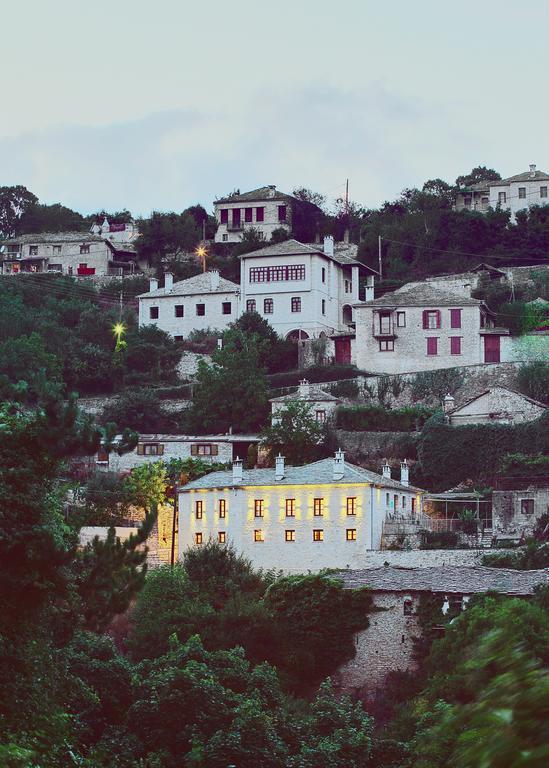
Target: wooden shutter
(438,318)
(194,450)
(425,318)
(140,449)
(160,449)
(215,450)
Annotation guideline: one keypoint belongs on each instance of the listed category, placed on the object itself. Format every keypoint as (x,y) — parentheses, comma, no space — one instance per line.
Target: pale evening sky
(159,105)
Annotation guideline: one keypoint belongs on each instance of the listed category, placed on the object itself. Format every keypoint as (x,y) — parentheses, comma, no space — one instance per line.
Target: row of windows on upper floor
(392,501)
(384,320)
(289,535)
(200,310)
(246,215)
(288,272)
(502,196)
(388,345)
(268,305)
(33,249)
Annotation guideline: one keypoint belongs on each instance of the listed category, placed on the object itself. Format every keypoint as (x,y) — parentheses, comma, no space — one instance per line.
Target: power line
(460,253)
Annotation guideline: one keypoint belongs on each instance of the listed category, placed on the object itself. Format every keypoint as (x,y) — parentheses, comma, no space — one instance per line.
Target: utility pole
(204,230)
(379,255)
(174,524)
(121,297)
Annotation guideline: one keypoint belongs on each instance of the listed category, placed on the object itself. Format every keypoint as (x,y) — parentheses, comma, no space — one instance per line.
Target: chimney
(404,473)
(272,190)
(532,170)
(304,388)
(329,245)
(153,284)
(214,280)
(339,465)
(237,471)
(448,403)
(386,470)
(346,235)
(168,282)
(369,288)
(279,467)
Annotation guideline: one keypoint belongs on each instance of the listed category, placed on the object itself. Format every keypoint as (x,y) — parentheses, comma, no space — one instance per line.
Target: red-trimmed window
(260,214)
(432,346)
(455,345)
(455,318)
(282,213)
(224,216)
(268,306)
(431,318)
(296,304)
(250,305)
(248,215)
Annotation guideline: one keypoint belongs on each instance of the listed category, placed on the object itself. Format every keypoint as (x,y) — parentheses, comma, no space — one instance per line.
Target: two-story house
(264,209)
(323,515)
(68,253)
(513,194)
(322,405)
(423,328)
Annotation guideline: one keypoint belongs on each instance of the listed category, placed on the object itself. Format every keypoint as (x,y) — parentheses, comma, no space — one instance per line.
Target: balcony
(383,326)
(235,226)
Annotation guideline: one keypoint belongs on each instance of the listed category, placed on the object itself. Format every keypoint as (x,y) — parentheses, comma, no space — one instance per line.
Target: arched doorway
(347,312)
(297,335)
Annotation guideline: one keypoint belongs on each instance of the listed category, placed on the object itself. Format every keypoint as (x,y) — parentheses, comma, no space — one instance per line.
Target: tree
(252,240)
(533,381)
(14,201)
(295,433)
(478,174)
(50,218)
(165,236)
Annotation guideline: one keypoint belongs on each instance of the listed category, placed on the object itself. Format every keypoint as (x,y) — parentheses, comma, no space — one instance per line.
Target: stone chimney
(329,245)
(304,388)
(279,467)
(369,288)
(448,403)
(532,170)
(386,469)
(237,471)
(339,465)
(153,284)
(404,473)
(168,282)
(272,190)
(214,280)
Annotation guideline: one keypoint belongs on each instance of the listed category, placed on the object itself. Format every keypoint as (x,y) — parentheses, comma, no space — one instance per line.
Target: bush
(522,464)
(374,418)
(533,381)
(348,388)
(315,374)
(434,385)
(439,540)
(141,410)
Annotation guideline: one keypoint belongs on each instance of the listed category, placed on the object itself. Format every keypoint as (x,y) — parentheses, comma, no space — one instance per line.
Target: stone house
(322,515)
(495,405)
(422,328)
(387,645)
(516,193)
(205,301)
(322,405)
(517,505)
(264,209)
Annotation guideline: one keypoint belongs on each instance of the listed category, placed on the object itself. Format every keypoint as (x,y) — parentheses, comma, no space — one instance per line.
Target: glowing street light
(202,252)
(119,329)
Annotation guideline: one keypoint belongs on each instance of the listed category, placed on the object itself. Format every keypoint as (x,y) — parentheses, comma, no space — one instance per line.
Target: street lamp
(119,329)
(202,252)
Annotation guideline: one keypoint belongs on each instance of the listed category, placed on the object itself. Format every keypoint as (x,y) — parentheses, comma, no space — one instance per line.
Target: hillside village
(247,413)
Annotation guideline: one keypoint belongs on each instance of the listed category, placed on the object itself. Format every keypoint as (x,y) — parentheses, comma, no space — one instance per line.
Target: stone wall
(375,445)
(188,365)
(512,518)
(422,558)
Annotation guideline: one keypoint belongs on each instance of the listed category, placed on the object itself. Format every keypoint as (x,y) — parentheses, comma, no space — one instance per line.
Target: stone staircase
(486,538)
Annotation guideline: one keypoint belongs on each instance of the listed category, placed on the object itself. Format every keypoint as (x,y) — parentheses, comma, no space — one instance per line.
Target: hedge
(374,418)
(314,374)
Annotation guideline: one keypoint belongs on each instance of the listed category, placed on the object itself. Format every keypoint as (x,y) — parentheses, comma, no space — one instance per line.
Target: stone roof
(342,252)
(317,473)
(526,176)
(268,192)
(199,284)
(314,395)
(447,579)
(54,237)
(495,389)
(162,438)
(423,295)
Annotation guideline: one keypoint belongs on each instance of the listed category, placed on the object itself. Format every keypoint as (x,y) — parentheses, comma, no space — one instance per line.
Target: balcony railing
(235,226)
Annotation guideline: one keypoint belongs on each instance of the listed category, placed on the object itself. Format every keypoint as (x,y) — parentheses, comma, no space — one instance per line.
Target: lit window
(351,505)
(198,509)
(222,507)
(401,319)
(198,538)
(250,305)
(296,304)
(258,508)
(320,417)
(527,506)
(290,535)
(350,534)
(222,537)
(258,535)
(226,307)
(290,507)
(317,507)
(153,313)
(201,310)
(179,310)
(522,193)
(318,534)
(268,306)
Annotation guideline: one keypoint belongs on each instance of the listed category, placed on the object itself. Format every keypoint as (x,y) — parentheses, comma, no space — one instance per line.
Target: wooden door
(491,349)
(343,350)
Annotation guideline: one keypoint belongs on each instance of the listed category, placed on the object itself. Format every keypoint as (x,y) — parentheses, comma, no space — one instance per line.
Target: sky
(160,105)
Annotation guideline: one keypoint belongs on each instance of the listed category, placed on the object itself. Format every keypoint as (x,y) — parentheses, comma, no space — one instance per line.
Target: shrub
(533,381)
(439,540)
(434,385)
(315,374)
(348,388)
(523,464)
(374,418)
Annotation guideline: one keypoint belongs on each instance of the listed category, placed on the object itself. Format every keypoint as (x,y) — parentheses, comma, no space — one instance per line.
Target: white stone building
(322,515)
(214,449)
(423,328)
(322,405)
(205,301)
(516,193)
(264,209)
(495,405)
(68,253)
(518,506)
(304,290)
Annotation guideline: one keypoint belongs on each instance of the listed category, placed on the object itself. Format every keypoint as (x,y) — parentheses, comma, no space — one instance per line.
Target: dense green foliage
(525,465)
(314,374)
(377,419)
(533,381)
(296,434)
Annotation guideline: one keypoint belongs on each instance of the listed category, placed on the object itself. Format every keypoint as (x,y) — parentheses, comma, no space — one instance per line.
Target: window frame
(221,537)
(318,534)
(522,193)
(296,304)
(222,508)
(258,508)
(318,507)
(224,216)
(525,504)
(198,538)
(224,305)
(455,345)
(401,315)
(350,534)
(260,214)
(268,306)
(290,507)
(198,509)
(455,318)
(432,344)
(179,310)
(351,508)
(543,192)
(200,309)
(289,534)
(154,312)
(386,345)
(259,537)
(251,305)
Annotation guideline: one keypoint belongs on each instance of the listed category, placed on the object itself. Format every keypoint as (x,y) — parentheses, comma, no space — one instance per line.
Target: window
(260,214)
(289,535)
(258,535)
(222,537)
(527,506)
(543,191)
(401,319)
(431,318)
(432,345)
(153,313)
(226,307)
(179,310)
(57,248)
(102,455)
(222,508)
(268,306)
(323,306)
(387,499)
(351,505)
(248,215)
(282,213)
(347,286)
(296,304)
(224,216)
(467,200)
(290,507)
(385,322)
(455,318)
(198,538)
(198,509)
(485,202)
(324,269)
(153,449)
(386,345)
(204,449)
(320,416)
(258,508)
(502,198)
(55,267)
(413,505)
(317,507)
(201,310)
(33,250)
(408,606)
(404,502)
(225,238)
(522,193)
(395,502)
(455,345)
(318,534)
(250,305)
(350,534)
(277,274)
(84,248)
